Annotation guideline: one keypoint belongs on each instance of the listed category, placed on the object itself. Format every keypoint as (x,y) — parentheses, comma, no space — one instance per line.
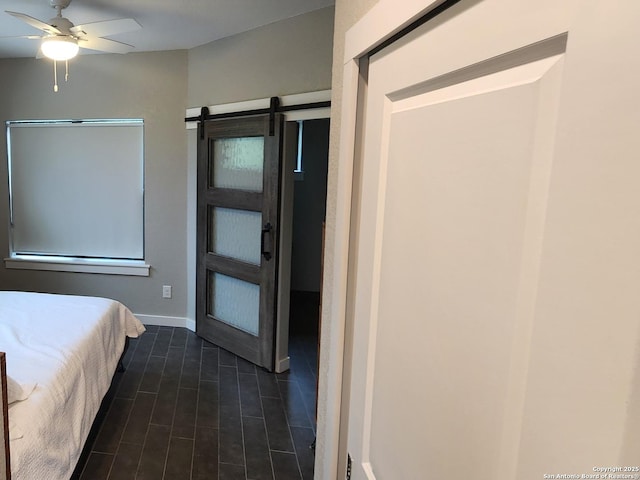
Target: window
(76,192)
(298,172)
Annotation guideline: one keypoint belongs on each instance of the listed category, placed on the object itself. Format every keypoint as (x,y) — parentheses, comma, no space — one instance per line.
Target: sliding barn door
(496,310)
(238,174)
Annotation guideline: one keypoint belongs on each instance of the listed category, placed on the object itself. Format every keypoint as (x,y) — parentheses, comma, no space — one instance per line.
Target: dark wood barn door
(237,222)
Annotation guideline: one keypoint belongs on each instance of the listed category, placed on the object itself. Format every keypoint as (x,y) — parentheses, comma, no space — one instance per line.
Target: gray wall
(152,86)
(291,56)
(310,196)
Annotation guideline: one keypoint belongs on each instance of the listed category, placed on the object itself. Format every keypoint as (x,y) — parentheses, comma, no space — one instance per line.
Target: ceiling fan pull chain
(66,70)
(55,76)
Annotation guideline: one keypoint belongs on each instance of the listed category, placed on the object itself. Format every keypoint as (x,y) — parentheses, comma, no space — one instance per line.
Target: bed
(61,354)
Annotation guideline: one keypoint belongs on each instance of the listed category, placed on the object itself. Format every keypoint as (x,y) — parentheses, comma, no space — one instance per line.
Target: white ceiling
(166,24)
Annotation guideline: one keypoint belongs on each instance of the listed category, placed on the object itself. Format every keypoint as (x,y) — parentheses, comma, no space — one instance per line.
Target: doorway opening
(309,206)
(307,233)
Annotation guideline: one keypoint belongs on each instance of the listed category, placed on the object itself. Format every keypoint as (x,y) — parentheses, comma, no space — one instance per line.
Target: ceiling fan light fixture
(59,47)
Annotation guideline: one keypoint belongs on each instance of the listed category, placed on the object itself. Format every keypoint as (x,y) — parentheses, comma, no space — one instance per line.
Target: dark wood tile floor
(186,409)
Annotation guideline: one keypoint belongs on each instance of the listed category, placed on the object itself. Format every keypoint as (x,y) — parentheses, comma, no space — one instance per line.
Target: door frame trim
(385,19)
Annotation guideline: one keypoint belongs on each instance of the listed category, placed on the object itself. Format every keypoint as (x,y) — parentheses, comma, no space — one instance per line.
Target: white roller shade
(77,188)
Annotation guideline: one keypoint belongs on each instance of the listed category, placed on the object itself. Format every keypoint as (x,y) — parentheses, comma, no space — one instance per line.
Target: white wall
(348,12)
(621,306)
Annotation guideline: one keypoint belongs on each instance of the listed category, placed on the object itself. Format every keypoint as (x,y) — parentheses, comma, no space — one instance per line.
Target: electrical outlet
(166,291)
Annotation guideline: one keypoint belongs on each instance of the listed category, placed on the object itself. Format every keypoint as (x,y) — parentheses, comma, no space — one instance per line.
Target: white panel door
(496,305)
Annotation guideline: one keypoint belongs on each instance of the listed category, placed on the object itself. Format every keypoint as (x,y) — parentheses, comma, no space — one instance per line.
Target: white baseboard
(167,321)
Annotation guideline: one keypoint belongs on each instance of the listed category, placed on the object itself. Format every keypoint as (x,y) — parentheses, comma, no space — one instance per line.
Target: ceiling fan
(62,39)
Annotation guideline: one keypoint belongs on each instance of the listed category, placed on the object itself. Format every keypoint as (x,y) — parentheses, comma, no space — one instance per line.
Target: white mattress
(69,346)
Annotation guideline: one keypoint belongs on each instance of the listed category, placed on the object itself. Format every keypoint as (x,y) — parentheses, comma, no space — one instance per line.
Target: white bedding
(69,347)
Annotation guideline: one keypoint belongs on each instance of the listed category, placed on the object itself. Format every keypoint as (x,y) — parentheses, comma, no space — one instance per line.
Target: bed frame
(5,468)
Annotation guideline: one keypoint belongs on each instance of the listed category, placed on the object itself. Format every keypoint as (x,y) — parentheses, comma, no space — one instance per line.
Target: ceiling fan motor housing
(62,24)
(59,3)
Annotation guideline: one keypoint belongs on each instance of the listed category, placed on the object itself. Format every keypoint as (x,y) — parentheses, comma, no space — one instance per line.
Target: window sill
(80,265)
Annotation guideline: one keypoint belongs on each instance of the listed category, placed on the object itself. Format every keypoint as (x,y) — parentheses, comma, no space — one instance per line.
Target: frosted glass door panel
(235,234)
(238,163)
(235,302)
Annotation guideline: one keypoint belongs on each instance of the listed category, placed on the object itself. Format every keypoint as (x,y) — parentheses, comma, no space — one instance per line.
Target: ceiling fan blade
(106,28)
(35,23)
(104,45)
(28,37)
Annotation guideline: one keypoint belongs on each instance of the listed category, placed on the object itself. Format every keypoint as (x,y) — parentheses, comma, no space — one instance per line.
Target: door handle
(265,241)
